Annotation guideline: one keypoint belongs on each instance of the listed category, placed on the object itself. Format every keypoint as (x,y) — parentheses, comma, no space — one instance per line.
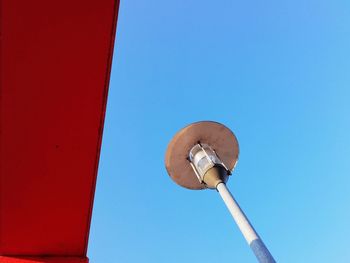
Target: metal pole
(256,244)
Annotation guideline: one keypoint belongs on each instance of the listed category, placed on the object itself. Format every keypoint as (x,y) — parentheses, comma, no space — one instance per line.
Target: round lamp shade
(216,135)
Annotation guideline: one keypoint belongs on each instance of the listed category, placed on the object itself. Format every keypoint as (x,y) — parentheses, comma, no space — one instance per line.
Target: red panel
(43,260)
(55,65)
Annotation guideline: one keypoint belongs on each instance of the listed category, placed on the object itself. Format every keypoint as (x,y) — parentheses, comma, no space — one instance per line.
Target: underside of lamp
(216,149)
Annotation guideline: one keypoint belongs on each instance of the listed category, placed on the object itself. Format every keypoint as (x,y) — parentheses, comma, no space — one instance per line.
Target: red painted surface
(55,66)
(43,260)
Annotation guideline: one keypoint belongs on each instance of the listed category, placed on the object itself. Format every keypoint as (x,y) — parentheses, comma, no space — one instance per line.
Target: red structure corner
(43,260)
(55,69)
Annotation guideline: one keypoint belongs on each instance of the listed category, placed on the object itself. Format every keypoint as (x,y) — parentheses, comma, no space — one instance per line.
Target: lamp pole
(202,155)
(254,241)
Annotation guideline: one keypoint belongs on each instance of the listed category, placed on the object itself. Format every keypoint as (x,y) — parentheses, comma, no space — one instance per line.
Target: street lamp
(202,155)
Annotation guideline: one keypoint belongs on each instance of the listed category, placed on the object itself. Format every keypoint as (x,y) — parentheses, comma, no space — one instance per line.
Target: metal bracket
(195,171)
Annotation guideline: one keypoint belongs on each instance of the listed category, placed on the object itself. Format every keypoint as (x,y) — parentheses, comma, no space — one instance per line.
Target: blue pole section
(261,252)
(256,244)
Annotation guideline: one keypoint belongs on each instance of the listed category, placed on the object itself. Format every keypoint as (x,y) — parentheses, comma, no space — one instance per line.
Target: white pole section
(256,244)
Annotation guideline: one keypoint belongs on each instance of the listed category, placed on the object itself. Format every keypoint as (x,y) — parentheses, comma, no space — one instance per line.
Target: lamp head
(202,155)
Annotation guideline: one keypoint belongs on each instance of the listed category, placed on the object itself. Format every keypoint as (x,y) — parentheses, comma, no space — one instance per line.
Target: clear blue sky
(275,72)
